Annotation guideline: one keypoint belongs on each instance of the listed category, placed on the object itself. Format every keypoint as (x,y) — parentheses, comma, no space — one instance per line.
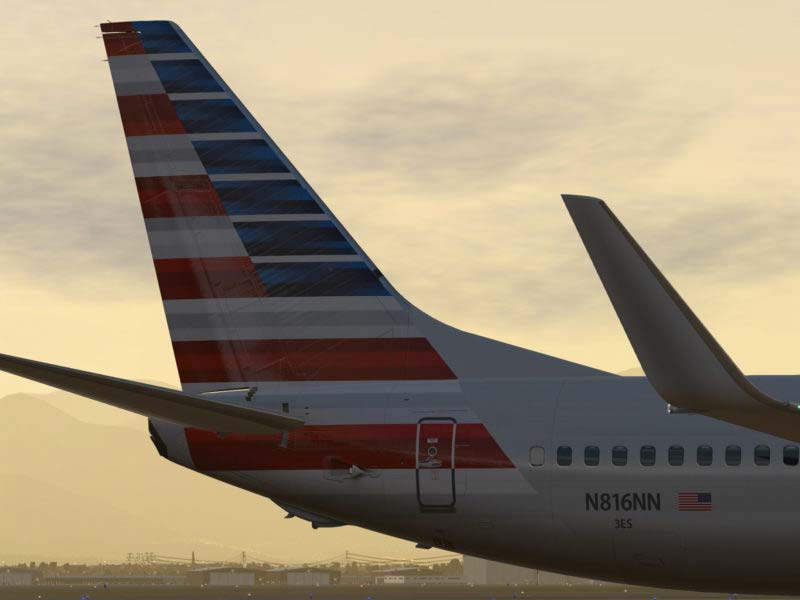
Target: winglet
(682,360)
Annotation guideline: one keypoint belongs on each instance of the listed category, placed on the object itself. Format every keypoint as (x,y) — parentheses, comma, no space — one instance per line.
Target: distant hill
(46,521)
(89,411)
(74,489)
(634,372)
(97,413)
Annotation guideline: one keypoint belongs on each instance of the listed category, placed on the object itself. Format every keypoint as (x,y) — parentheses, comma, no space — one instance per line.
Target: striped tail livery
(262,285)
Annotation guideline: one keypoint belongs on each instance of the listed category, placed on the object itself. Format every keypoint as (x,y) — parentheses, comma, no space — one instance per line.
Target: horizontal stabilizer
(152,401)
(682,360)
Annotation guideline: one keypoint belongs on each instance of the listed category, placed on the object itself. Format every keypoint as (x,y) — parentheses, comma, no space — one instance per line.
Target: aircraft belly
(487,501)
(752,530)
(496,517)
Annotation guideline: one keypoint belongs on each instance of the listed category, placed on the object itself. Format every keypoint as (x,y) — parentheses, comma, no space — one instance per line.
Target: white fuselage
(734,531)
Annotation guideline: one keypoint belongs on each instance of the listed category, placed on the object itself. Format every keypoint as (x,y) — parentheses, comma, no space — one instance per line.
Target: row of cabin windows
(675,456)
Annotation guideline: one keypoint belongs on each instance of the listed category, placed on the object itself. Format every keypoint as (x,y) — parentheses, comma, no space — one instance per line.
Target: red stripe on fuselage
(149,114)
(338,447)
(349,359)
(179,196)
(188,278)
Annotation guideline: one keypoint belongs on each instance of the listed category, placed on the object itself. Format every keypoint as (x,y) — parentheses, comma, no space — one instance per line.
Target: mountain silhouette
(81,489)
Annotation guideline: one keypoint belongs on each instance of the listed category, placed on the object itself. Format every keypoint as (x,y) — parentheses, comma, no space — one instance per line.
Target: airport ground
(352,593)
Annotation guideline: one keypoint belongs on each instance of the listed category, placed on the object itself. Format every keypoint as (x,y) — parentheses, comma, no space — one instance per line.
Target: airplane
(307,378)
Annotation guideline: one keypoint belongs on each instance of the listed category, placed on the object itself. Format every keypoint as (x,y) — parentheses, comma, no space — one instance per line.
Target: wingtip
(575,198)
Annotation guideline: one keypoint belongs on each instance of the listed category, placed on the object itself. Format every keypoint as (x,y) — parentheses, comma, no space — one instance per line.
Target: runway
(353,593)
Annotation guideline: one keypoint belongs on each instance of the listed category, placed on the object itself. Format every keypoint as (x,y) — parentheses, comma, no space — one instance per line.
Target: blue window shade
(238,156)
(265,198)
(280,238)
(185,76)
(211,116)
(320,279)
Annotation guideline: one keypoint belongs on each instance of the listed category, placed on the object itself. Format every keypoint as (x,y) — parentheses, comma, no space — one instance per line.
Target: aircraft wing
(153,401)
(682,360)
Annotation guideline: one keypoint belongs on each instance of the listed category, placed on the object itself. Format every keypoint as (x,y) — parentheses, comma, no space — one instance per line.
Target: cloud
(457,169)
(456,166)
(452,173)
(463,127)
(736,240)
(69,210)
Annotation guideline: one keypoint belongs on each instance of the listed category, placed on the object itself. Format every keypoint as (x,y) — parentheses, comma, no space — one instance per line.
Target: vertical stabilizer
(261,283)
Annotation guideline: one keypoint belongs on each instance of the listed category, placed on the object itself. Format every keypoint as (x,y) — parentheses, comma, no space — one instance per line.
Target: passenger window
(564,456)
(647,456)
(619,456)
(705,455)
(791,455)
(761,455)
(537,456)
(675,456)
(733,456)
(591,456)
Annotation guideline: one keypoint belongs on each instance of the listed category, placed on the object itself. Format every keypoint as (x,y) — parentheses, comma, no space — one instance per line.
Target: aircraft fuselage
(461,470)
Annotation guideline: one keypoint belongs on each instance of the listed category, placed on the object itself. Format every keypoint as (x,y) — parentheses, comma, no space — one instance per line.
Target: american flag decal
(694,501)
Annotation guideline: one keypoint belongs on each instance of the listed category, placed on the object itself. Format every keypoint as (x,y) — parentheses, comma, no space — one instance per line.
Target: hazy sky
(442,137)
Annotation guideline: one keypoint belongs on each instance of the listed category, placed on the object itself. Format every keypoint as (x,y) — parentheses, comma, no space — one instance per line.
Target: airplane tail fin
(260,281)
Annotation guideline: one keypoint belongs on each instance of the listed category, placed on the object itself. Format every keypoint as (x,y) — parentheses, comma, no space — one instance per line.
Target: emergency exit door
(436,483)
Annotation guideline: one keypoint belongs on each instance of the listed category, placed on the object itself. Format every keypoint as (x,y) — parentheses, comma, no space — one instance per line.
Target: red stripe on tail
(149,114)
(122,26)
(122,44)
(187,278)
(180,196)
(352,359)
